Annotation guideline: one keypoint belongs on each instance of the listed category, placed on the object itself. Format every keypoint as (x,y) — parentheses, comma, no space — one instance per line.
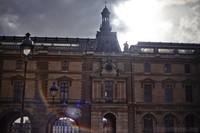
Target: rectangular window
(120,91)
(167,68)
(189,93)
(65,66)
(168,93)
(147,68)
(109,90)
(187,69)
(148,93)
(19,65)
(63,92)
(18,86)
(97,90)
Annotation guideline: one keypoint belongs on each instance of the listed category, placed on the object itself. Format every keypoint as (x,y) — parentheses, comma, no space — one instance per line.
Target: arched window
(148,124)
(189,124)
(65,125)
(169,124)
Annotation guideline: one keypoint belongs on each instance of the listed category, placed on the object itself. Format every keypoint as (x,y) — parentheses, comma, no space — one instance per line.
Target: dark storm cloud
(73,18)
(82,18)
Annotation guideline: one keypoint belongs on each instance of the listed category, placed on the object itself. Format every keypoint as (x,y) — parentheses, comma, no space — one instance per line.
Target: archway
(64,125)
(10,120)
(15,128)
(109,123)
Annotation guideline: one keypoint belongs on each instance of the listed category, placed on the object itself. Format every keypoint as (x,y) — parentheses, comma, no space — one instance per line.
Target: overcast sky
(133,20)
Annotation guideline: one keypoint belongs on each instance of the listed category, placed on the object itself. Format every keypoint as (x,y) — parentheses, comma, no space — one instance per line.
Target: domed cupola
(105,13)
(105,26)
(106,41)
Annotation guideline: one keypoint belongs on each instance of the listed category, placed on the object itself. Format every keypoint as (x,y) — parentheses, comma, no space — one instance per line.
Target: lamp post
(25,48)
(53,91)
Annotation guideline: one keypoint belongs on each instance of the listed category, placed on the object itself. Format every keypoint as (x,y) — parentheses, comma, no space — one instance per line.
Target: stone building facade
(151,87)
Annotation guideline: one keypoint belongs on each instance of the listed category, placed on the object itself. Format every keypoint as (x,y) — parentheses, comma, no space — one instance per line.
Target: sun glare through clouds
(141,19)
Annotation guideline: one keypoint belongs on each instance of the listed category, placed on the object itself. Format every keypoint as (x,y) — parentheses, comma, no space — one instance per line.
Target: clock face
(109,67)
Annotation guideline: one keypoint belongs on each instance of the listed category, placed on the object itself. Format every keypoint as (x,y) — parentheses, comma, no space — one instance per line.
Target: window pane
(147,93)
(189,124)
(168,93)
(109,90)
(63,92)
(187,68)
(65,66)
(147,68)
(189,95)
(169,124)
(18,85)
(148,124)
(167,68)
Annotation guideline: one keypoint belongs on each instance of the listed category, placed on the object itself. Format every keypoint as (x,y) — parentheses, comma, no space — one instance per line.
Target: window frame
(169,122)
(187,69)
(108,87)
(147,68)
(148,124)
(147,92)
(189,93)
(168,91)
(64,91)
(167,68)
(18,88)
(65,65)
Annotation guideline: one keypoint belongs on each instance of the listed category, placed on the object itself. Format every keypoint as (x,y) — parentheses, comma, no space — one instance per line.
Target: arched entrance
(109,123)
(26,125)
(10,120)
(64,125)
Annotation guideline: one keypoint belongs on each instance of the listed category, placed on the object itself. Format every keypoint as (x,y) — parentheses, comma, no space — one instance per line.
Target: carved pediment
(17,77)
(168,81)
(64,78)
(108,68)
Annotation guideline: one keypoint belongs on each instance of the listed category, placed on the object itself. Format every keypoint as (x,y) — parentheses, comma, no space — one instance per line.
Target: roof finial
(105,2)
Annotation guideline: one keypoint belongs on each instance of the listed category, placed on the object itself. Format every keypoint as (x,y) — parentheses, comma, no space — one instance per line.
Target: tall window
(189,93)
(18,86)
(97,91)
(109,90)
(147,68)
(65,66)
(168,93)
(187,69)
(169,124)
(19,64)
(64,92)
(189,124)
(148,124)
(167,68)
(148,93)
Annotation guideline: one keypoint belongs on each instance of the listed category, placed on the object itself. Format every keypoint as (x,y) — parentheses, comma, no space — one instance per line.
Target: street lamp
(25,48)
(53,91)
